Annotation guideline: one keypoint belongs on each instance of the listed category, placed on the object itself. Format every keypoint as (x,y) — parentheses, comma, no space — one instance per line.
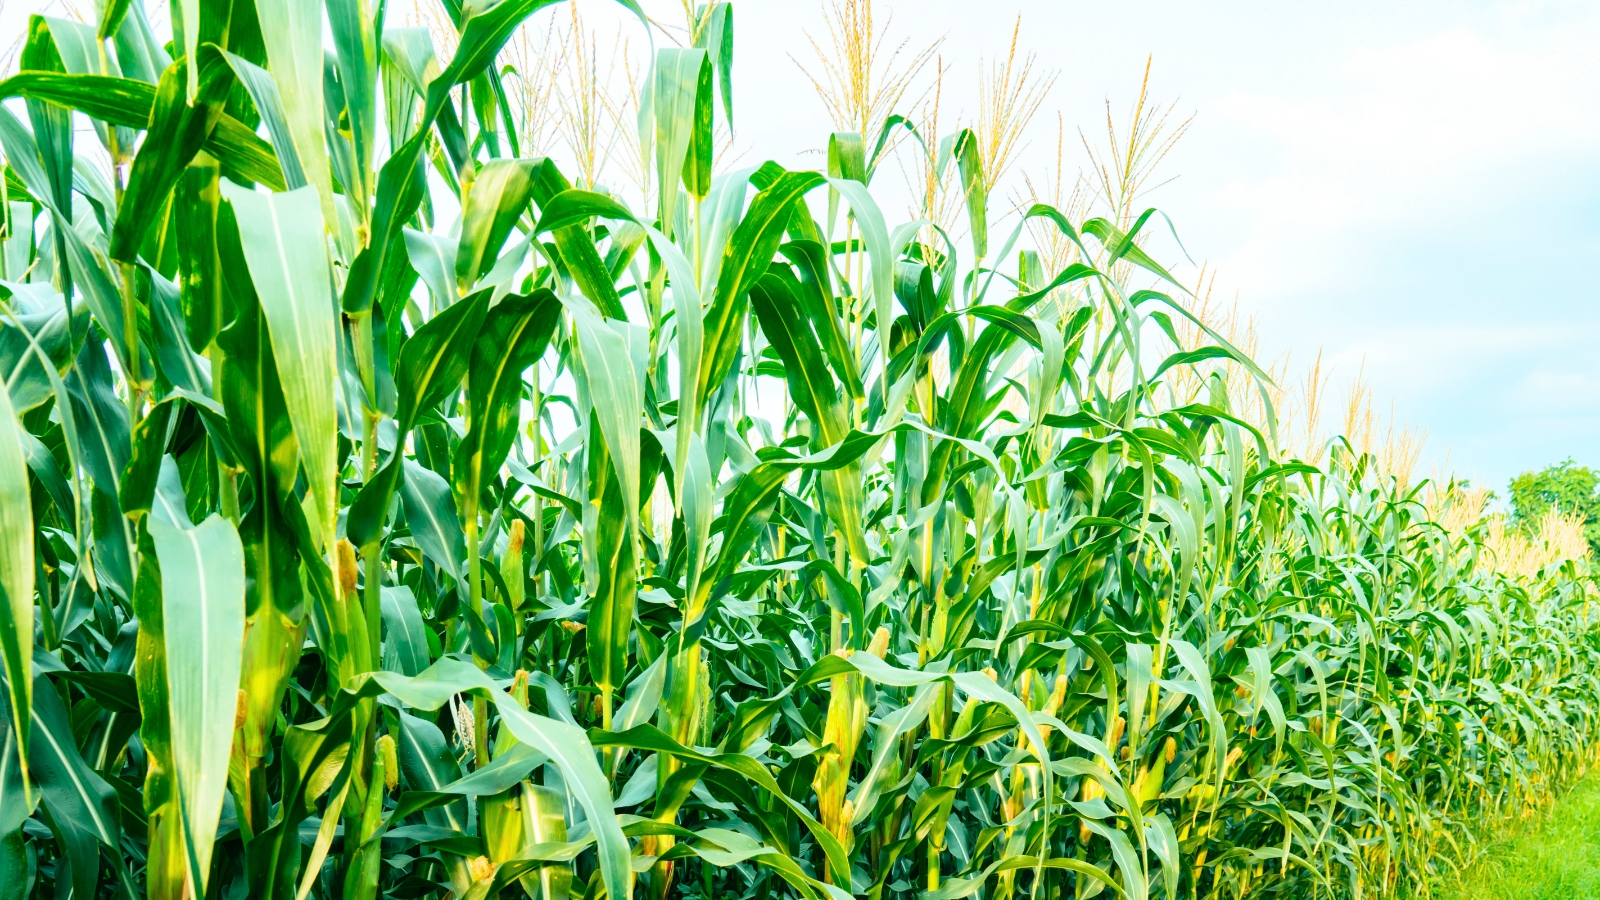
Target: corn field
(386,512)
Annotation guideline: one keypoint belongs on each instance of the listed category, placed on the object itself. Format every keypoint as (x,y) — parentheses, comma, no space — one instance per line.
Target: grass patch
(1558,860)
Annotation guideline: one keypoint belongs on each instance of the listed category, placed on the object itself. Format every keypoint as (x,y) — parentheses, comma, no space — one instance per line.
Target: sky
(1411,188)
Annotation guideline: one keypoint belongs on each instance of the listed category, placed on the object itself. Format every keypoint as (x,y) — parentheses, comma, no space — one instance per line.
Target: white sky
(1411,187)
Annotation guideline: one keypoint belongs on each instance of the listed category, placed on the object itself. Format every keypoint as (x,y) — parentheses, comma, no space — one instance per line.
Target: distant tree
(1566,486)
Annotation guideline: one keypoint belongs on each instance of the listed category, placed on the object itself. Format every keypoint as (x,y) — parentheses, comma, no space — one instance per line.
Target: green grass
(1558,860)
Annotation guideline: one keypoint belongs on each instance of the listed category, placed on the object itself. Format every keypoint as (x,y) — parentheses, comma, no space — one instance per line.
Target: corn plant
(739,542)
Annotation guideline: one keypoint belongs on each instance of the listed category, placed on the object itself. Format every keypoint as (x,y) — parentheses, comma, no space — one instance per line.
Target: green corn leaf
(405,647)
(176,362)
(816,296)
(366,519)
(141,477)
(499,196)
(263,91)
(814,391)
(22,369)
(102,421)
(749,253)
(17,802)
(515,334)
(576,249)
(574,207)
(875,234)
(805,364)
(292,34)
(612,542)
(202,576)
(52,126)
(717,38)
(1163,839)
(356,47)
(82,807)
(287,250)
(252,393)
(719,216)
(427,765)
(1140,671)
(195,204)
(847,157)
(434,258)
(614,384)
(111,17)
(179,126)
(962,147)
(91,275)
(682,79)
(435,359)
(45,468)
(1190,357)
(698,496)
(431,513)
(238,148)
(1192,660)
(1121,244)
(1261,673)
(507,769)
(106,98)
(1129,861)
(564,744)
(402,184)
(696,174)
(16,573)
(745,512)
(140,54)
